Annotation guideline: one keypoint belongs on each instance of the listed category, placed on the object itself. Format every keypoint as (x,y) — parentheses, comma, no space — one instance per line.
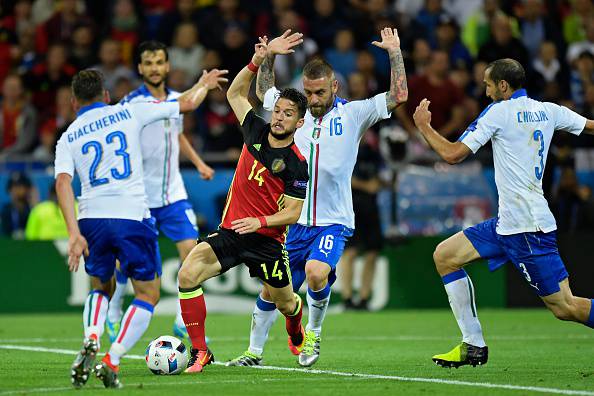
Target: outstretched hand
(260,51)
(390,39)
(213,78)
(422,115)
(284,44)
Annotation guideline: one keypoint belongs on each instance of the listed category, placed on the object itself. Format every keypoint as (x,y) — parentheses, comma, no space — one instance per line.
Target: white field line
(333,373)
(34,340)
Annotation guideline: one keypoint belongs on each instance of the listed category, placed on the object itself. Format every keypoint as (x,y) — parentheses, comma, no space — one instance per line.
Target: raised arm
(191,99)
(280,45)
(452,153)
(265,78)
(398,93)
(238,91)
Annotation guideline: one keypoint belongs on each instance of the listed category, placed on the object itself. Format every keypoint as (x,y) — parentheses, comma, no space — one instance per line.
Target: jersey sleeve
(149,112)
(369,111)
(296,184)
(270,98)
(566,119)
(252,126)
(481,130)
(64,163)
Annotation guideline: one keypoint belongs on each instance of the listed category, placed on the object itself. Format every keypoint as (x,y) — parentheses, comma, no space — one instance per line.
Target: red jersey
(264,176)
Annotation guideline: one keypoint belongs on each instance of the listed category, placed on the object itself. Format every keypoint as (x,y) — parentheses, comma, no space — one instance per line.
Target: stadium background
(446,45)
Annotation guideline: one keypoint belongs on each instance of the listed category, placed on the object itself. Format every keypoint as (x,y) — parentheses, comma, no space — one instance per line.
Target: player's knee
(562,311)
(316,278)
(445,260)
(286,306)
(187,276)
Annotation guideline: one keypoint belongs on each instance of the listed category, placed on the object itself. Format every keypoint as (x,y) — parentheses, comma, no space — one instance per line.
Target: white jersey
(330,145)
(103,146)
(159,141)
(521,130)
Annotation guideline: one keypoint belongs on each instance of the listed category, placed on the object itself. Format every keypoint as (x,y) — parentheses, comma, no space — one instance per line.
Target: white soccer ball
(166,355)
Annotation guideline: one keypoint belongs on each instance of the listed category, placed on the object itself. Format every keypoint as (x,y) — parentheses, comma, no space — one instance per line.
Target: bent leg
(565,306)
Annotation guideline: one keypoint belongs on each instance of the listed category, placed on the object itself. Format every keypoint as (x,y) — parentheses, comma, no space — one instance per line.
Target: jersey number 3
(98,148)
(538,170)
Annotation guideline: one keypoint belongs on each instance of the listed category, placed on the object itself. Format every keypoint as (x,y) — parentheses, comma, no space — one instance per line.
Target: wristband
(262,220)
(252,67)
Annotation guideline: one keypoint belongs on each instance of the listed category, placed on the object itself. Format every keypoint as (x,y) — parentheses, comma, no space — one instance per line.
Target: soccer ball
(166,355)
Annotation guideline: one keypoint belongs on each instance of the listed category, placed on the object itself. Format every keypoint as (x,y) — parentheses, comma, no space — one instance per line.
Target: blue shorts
(133,243)
(323,243)
(534,254)
(177,221)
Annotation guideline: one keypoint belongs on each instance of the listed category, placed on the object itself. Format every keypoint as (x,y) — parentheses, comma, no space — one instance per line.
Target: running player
(265,196)
(103,146)
(520,130)
(161,143)
(329,139)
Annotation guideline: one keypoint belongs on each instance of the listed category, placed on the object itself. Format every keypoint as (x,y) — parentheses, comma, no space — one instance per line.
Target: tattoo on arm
(398,93)
(265,78)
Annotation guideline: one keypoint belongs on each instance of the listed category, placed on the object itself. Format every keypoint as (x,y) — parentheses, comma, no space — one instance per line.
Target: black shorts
(266,258)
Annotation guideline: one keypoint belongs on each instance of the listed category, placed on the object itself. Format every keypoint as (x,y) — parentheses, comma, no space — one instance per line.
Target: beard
(154,84)
(322,109)
(281,135)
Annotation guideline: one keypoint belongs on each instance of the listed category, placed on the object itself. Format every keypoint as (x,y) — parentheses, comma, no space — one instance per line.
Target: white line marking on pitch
(343,374)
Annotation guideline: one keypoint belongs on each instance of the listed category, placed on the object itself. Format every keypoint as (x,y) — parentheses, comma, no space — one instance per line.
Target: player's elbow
(294,214)
(452,158)
(455,153)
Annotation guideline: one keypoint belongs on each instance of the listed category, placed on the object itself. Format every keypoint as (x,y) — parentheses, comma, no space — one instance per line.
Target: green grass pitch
(385,353)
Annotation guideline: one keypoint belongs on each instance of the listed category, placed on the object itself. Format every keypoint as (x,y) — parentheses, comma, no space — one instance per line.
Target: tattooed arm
(265,78)
(398,93)
(281,45)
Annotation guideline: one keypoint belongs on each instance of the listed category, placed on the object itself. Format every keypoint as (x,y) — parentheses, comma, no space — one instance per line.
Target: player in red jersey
(266,195)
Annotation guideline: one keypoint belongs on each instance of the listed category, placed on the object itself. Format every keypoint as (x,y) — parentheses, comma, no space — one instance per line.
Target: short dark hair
(87,85)
(296,97)
(509,70)
(151,46)
(317,68)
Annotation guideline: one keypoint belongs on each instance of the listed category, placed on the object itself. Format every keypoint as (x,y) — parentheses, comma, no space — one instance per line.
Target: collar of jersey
(92,106)
(519,93)
(143,89)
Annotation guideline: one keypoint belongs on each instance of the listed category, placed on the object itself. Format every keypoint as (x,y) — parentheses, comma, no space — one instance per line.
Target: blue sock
(265,305)
(319,294)
(590,322)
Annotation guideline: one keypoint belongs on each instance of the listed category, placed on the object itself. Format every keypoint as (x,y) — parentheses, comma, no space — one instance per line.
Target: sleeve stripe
(295,198)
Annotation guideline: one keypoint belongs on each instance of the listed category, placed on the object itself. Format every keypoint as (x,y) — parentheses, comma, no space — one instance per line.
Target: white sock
(317,304)
(264,316)
(94,313)
(134,324)
(461,296)
(114,314)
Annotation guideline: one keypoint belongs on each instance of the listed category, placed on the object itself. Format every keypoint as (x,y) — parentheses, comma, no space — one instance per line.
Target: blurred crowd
(446,45)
